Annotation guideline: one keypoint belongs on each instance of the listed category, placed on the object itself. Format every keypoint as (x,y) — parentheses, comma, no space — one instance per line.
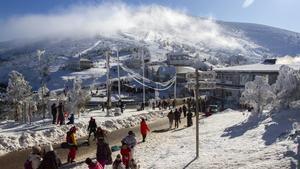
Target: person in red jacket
(93,165)
(144,129)
(126,154)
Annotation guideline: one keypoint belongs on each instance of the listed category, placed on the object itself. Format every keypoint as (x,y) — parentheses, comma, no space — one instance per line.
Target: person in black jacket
(92,128)
(177,118)
(103,152)
(50,159)
(189,119)
(54,112)
(71,119)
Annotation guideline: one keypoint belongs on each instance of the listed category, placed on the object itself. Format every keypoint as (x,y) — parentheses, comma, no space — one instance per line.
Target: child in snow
(126,154)
(71,119)
(71,140)
(34,159)
(93,165)
(118,163)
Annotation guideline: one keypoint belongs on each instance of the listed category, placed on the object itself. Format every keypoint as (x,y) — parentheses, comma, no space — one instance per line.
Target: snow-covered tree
(287,87)
(78,97)
(18,90)
(43,99)
(257,94)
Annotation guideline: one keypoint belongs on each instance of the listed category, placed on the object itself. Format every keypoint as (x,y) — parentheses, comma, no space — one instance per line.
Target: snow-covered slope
(159,29)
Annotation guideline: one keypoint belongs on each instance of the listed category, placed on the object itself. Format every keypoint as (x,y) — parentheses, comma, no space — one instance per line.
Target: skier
(53,112)
(189,119)
(171,118)
(121,105)
(34,159)
(61,117)
(117,164)
(103,152)
(144,129)
(177,118)
(130,141)
(184,109)
(126,154)
(71,119)
(50,159)
(92,128)
(93,165)
(71,140)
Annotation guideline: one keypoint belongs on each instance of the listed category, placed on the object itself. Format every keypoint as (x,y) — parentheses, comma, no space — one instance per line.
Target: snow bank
(226,141)
(20,136)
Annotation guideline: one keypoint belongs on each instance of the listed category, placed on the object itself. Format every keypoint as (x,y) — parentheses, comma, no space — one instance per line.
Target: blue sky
(278,13)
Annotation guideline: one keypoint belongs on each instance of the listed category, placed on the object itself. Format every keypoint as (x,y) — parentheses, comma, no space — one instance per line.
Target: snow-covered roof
(256,68)
(184,69)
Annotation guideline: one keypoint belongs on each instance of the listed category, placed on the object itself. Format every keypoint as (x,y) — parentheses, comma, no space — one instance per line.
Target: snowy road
(15,160)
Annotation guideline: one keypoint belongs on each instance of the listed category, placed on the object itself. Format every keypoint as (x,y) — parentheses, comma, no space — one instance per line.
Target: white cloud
(288,60)
(107,19)
(247,3)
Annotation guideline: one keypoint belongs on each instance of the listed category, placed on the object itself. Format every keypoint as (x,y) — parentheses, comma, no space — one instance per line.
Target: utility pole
(175,83)
(107,85)
(119,86)
(143,67)
(197,112)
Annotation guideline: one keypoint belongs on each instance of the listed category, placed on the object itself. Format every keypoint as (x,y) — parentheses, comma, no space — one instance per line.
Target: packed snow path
(224,143)
(16,160)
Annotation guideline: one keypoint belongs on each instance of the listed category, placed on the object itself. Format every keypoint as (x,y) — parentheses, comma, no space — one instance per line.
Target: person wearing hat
(130,140)
(34,159)
(93,165)
(103,154)
(50,159)
(92,128)
(118,163)
(71,140)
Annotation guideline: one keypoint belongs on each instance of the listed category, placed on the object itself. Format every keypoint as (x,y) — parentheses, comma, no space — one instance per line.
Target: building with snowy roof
(231,80)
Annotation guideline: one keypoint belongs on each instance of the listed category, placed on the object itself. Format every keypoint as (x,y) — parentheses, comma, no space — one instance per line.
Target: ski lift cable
(146,79)
(159,89)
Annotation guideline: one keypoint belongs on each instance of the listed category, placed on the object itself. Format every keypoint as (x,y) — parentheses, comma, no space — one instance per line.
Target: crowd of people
(47,158)
(59,115)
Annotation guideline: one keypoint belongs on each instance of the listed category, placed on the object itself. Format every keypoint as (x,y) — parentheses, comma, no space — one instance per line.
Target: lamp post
(143,68)
(107,85)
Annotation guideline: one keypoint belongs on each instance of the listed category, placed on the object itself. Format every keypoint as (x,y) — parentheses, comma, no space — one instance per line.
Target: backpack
(28,164)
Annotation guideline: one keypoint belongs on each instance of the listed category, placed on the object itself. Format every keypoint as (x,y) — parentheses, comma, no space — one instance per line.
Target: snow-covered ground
(226,141)
(15,136)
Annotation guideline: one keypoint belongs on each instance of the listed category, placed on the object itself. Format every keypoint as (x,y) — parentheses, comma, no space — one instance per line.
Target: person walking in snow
(71,140)
(144,129)
(50,159)
(34,160)
(171,119)
(177,118)
(180,112)
(189,119)
(54,112)
(126,154)
(130,140)
(93,165)
(118,164)
(100,133)
(174,103)
(103,152)
(61,117)
(184,110)
(92,128)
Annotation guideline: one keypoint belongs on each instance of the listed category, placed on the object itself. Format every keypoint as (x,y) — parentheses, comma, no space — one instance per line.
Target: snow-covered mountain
(159,29)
